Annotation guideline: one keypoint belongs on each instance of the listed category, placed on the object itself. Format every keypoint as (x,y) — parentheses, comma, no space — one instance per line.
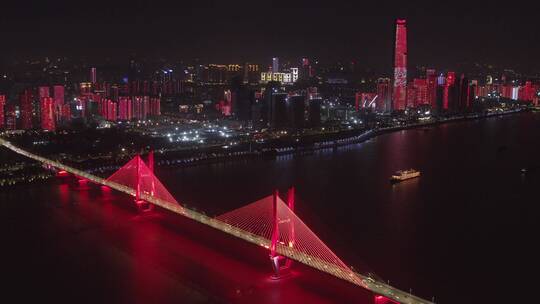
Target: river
(463,232)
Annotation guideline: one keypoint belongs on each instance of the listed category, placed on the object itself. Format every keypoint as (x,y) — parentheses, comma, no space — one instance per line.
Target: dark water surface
(464,232)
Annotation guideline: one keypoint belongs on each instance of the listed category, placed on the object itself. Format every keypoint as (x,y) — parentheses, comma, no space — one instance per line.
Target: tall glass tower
(400,66)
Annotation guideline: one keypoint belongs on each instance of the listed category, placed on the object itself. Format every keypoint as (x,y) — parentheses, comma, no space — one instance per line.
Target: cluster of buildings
(272,106)
(442,92)
(49,110)
(46,107)
(263,97)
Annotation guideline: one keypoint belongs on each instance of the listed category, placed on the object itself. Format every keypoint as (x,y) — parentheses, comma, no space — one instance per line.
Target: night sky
(441,34)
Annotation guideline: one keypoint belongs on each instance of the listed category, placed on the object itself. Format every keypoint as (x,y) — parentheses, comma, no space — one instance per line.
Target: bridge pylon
(143,205)
(281,264)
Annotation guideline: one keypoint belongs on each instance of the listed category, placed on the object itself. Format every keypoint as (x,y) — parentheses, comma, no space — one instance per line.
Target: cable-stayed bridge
(269,222)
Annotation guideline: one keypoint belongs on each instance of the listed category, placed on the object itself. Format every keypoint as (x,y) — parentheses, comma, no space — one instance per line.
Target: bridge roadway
(357,279)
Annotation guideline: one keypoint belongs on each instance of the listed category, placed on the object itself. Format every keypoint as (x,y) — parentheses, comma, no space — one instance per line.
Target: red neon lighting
(258,218)
(400,66)
(135,174)
(62,173)
(275,224)
(384,300)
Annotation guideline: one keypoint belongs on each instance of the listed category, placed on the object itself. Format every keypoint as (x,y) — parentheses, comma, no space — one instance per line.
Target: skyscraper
(44,92)
(384,93)
(421,90)
(275,65)
(155,106)
(400,66)
(305,71)
(448,97)
(314,112)
(11,117)
(278,110)
(26,108)
(93,75)
(58,91)
(465,99)
(441,85)
(125,109)
(296,108)
(2,105)
(111,114)
(431,78)
(47,114)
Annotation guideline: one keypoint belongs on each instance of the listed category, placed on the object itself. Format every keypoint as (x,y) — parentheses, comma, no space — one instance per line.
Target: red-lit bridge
(269,222)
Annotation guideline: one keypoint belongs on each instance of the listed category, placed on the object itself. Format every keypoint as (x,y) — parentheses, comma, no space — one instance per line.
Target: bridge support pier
(281,264)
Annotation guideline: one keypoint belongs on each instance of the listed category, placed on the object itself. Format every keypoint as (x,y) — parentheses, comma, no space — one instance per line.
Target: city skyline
(300,152)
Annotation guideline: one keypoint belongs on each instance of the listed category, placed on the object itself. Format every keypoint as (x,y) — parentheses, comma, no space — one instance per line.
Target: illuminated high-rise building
(400,66)
(11,117)
(2,107)
(58,91)
(449,100)
(251,73)
(85,88)
(421,89)
(47,114)
(44,92)
(155,106)
(111,114)
(411,96)
(141,107)
(305,71)
(26,108)
(527,92)
(465,96)
(66,112)
(364,100)
(441,85)
(384,93)
(125,110)
(275,65)
(431,79)
(93,75)
(314,111)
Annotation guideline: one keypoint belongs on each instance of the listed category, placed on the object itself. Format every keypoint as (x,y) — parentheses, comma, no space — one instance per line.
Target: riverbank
(245,152)
(379,131)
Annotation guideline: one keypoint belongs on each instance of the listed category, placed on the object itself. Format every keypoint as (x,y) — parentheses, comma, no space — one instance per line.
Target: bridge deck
(354,278)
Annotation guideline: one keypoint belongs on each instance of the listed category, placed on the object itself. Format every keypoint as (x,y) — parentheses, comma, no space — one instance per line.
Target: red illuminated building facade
(431,82)
(365,100)
(155,106)
(43,92)
(125,110)
(47,114)
(141,105)
(10,116)
(400,66)
(421,90)
(384,94)
(2,109)
(26,108)
(93,75)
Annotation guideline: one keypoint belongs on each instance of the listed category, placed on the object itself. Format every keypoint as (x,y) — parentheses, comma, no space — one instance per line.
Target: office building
(400,66)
